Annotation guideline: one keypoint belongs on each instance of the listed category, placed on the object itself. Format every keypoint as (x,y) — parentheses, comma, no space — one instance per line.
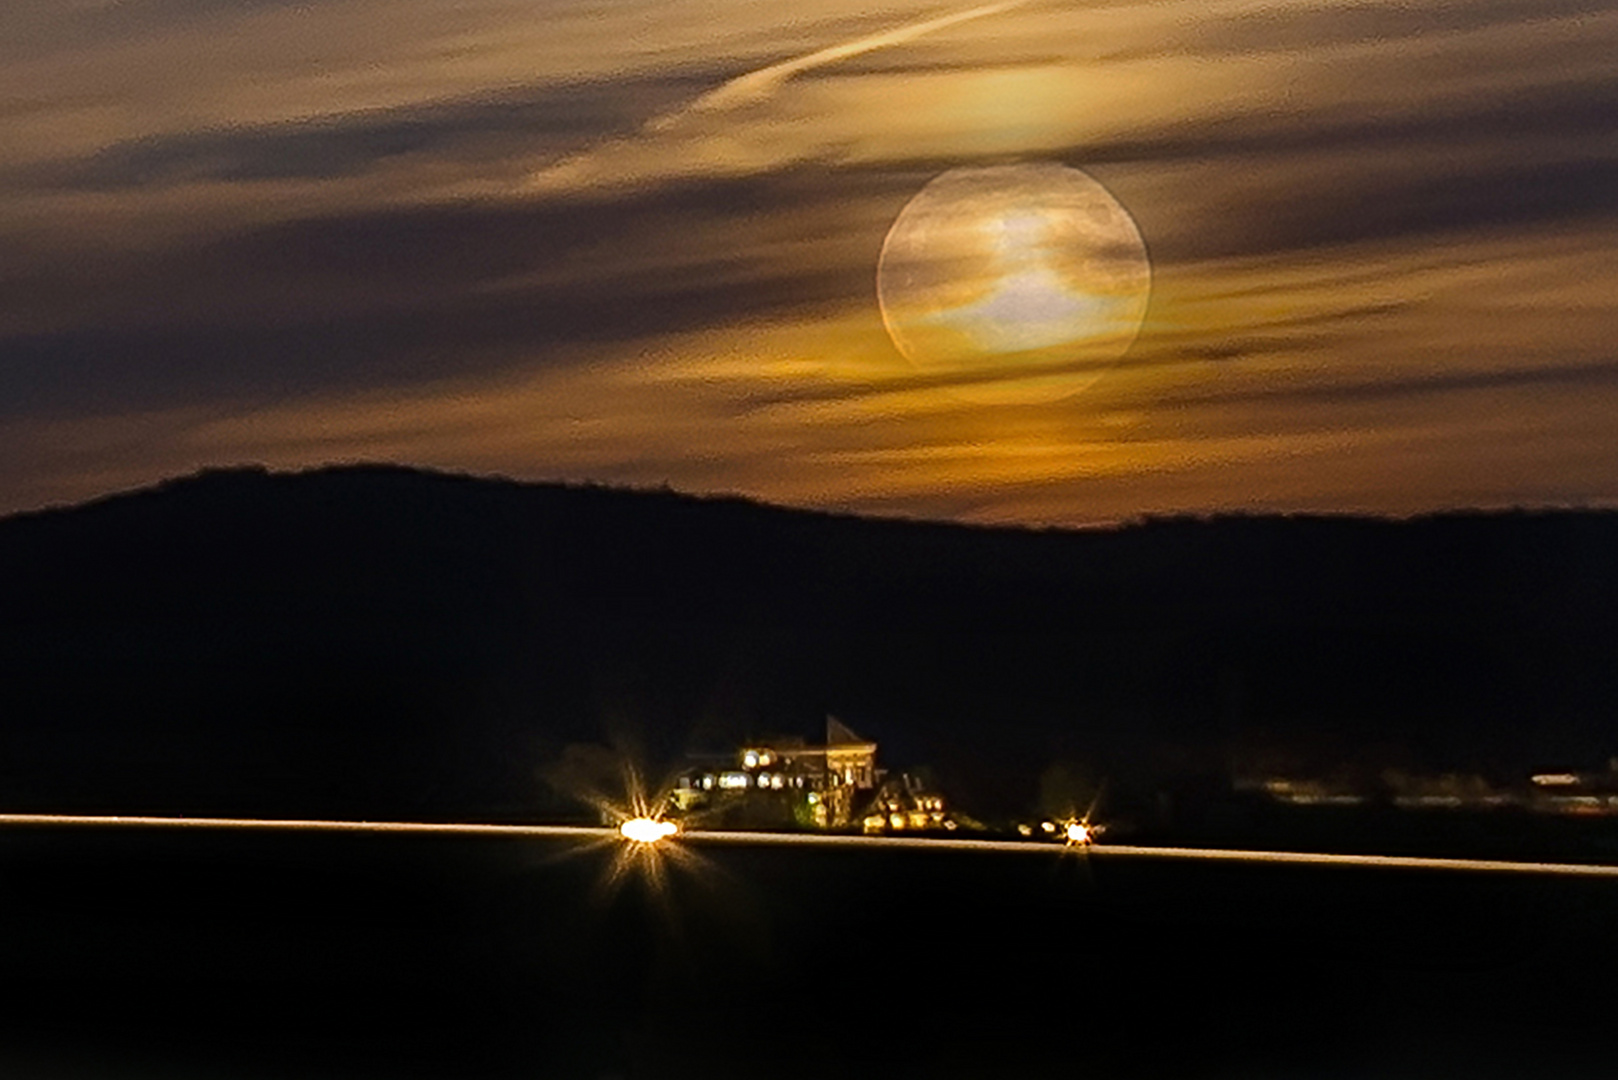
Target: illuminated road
(700,837)
(297,824)
(1124,851)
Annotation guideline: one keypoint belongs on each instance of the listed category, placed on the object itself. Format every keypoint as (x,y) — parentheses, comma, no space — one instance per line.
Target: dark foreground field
(144,954)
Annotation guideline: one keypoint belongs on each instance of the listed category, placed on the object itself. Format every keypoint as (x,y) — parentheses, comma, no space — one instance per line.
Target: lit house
(785,781)
(905,804)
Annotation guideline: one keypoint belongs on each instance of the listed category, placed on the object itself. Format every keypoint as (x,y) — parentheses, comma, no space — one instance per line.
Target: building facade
(904,804)
(784,782)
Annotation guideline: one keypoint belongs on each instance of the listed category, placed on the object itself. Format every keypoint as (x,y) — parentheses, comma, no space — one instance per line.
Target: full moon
(1013,283)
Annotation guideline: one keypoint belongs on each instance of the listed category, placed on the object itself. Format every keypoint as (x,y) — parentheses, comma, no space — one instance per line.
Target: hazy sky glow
(636,242)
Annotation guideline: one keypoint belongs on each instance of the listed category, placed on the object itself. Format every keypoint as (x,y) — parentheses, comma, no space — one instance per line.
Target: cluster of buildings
(788,782)
(1591,792)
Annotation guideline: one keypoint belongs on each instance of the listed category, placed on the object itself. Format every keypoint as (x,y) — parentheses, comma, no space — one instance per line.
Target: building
(902,804)
(784,781)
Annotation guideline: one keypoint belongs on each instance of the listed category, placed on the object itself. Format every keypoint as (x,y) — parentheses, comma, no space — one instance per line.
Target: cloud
(757,86)
(418,294)
(620,160)
(1316,28)
(549,121)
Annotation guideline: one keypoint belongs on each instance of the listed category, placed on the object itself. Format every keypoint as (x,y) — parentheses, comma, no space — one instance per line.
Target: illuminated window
(896,820)
(733,780)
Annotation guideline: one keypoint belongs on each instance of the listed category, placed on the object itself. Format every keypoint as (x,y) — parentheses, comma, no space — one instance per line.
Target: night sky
(636,242)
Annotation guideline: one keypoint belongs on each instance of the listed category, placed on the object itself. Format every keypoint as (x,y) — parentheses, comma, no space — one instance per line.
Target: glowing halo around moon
(1013,283)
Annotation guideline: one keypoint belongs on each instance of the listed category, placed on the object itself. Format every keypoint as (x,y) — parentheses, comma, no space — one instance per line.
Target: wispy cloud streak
(596,165)
(755,86)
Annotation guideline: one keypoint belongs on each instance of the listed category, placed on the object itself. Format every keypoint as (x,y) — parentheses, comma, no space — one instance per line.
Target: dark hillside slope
(382,641)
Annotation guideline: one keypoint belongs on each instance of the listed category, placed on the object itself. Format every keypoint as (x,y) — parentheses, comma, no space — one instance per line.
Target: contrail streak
(697,837)
(757,85)
(747,89)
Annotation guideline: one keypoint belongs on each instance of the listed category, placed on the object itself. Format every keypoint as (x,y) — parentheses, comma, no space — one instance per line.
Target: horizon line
(1118,524)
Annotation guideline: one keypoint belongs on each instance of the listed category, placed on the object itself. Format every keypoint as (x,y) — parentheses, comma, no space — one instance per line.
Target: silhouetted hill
(382,641)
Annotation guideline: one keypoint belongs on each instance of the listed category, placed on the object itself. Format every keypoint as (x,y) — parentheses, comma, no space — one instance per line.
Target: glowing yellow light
(1078,832)
(647,830)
